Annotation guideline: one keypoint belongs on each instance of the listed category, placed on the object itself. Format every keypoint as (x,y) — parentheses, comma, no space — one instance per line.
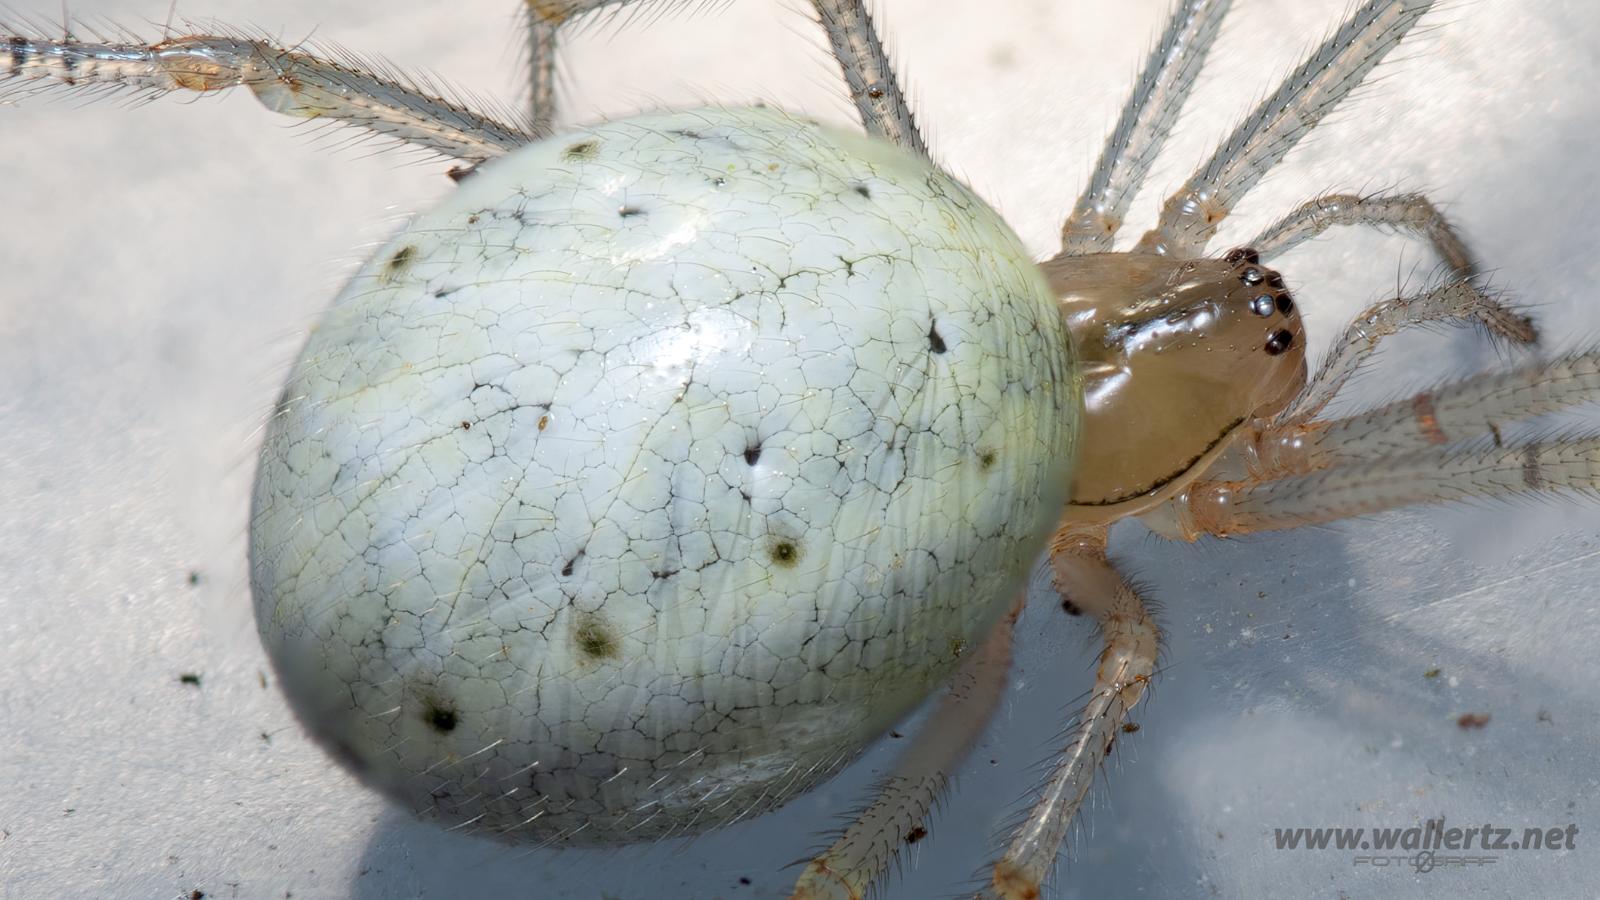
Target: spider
(1242,271)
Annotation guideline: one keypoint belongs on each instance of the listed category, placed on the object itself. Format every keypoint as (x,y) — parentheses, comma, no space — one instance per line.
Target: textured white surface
(163,264)
(636,486)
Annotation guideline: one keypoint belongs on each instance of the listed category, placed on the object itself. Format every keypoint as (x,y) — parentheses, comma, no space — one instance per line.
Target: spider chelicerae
(1280,311)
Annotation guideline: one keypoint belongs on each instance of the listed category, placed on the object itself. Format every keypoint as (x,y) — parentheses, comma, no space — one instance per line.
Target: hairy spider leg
(288,81)
(1190,216)
(1143,126)
(1460,301)
(1412,214)
(1087,579)
(1439,446)
(904,800)
(869,73)
(1472,408)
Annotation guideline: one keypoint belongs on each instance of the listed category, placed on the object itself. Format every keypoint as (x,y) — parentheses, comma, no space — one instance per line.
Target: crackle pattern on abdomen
(663,465)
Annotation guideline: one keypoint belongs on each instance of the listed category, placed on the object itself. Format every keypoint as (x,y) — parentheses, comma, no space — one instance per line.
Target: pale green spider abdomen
(662,466)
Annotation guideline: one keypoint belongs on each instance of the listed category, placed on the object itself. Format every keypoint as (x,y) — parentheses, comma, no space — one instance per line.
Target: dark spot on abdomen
(784,553)
(594,638)
(395,266)
(440,718)
(581,150)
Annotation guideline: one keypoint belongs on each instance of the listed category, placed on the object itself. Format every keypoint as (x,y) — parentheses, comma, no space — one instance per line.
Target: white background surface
(160,265)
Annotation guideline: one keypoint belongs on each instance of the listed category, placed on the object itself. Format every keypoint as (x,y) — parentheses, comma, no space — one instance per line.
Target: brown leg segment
(1086,579)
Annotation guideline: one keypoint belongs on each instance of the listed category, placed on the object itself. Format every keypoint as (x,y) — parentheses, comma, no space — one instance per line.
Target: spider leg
(1142,128)
(542,22)
(1088,580)
(1228,508)
(1474,407)
(543,19)
(1190,217)
(1414,214)
(285,80)
(868,72)
(848,868)
(1458,301)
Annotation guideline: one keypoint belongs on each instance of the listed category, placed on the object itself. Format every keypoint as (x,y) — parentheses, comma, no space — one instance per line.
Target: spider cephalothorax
(1177,356)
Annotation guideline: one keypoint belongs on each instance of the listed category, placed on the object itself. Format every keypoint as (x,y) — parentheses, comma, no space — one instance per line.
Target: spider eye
(1242,254)
(1263,305)
(1279,341)
(1285,303)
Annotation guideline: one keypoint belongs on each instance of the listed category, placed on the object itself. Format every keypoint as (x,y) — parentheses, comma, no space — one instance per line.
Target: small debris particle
(896,735)
(190,678)
(197,894)
(261,679)
(1070,608)
(1544,716)
(1469,721)
(194,577)
(1130,727)
(1431,673)
(744,879)
(916,834)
